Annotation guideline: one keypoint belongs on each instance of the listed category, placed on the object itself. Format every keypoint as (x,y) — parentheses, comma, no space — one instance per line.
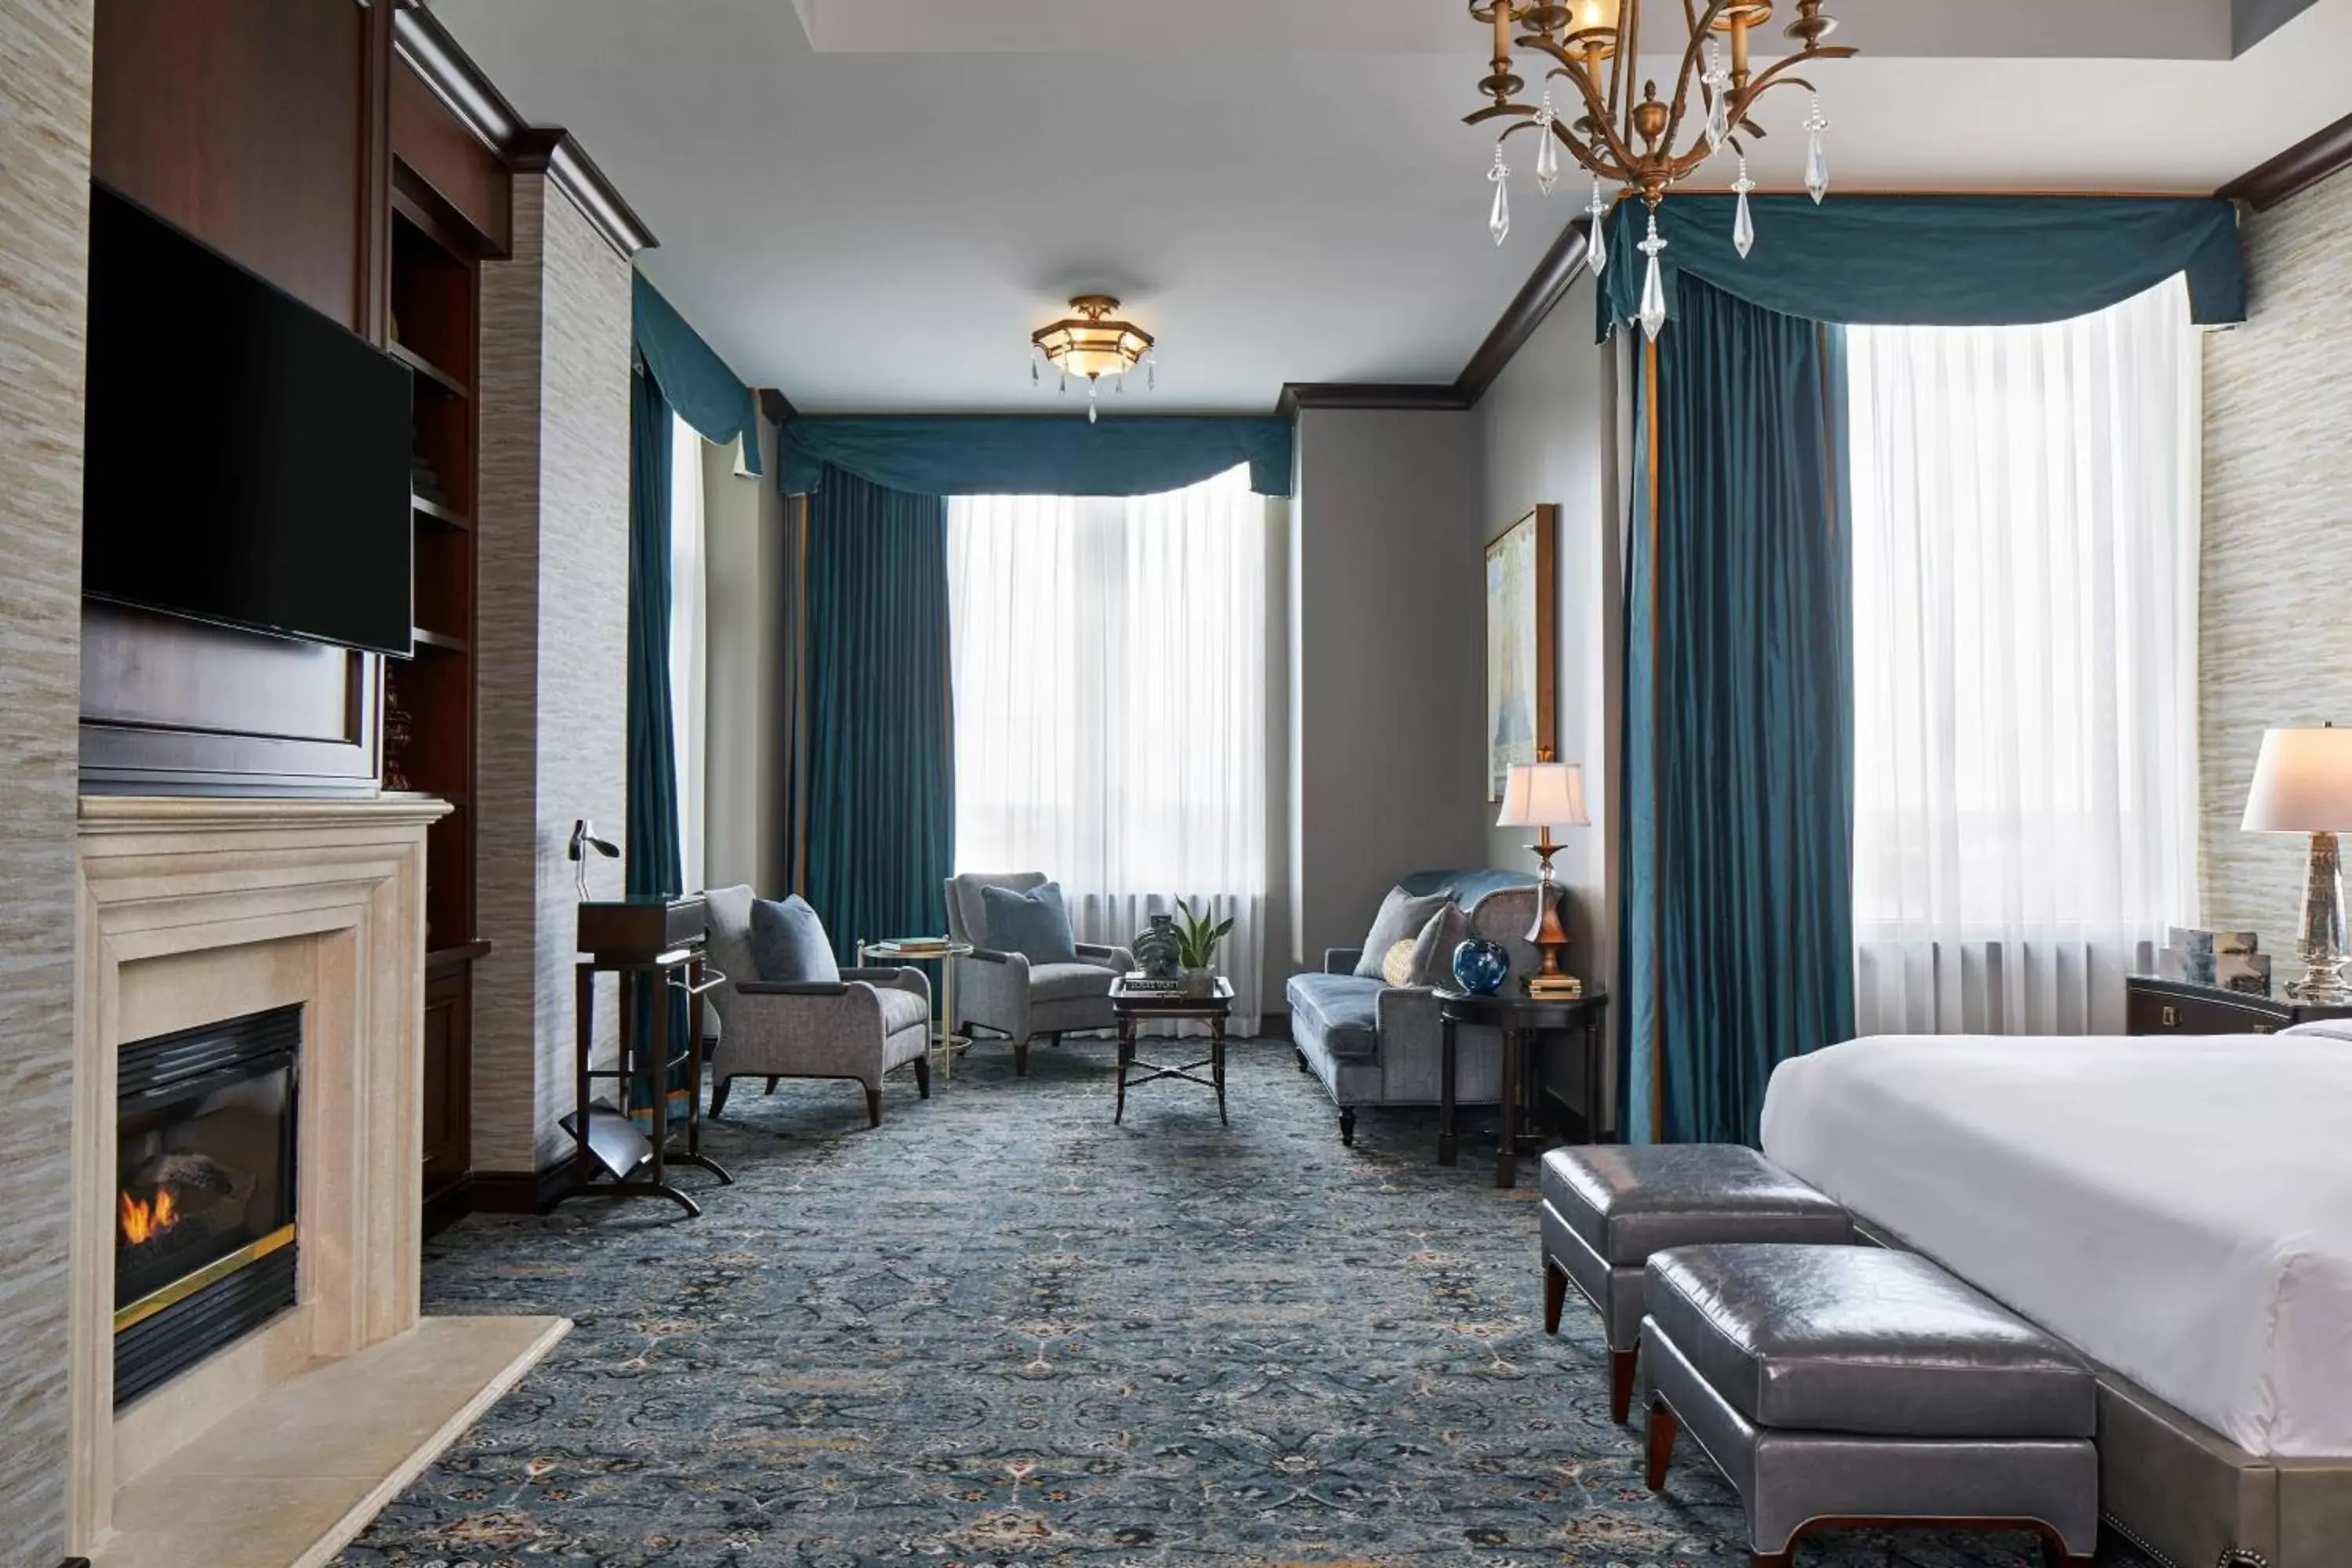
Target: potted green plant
(1197,936)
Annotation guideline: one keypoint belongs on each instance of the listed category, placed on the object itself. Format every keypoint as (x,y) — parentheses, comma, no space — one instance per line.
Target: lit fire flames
(143,1222)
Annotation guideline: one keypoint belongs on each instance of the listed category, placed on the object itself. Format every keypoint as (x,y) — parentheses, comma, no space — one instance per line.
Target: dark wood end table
(1131,1007)
(1522,1020)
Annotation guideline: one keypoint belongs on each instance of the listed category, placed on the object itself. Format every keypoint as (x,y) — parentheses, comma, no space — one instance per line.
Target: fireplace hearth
(204,1219)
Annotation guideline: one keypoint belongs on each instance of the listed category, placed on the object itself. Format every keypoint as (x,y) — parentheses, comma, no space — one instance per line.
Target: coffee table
(1131,1007)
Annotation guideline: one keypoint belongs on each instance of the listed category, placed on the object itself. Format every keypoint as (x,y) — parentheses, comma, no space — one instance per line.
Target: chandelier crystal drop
(1498,215)
(1092,343)
(1626,132)
(1817,158)
(1653,286)
(1743,222)
(1596,246)
(1546,147)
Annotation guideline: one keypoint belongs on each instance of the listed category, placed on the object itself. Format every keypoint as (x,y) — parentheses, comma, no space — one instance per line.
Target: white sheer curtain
(2025,540)
(688,642)
(1109,659)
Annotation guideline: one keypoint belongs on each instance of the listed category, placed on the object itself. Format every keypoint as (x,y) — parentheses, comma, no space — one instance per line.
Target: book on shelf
(1560,988)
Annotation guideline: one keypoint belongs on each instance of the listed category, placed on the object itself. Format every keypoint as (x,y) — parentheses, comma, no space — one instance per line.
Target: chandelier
(1638,143)
(1091,341)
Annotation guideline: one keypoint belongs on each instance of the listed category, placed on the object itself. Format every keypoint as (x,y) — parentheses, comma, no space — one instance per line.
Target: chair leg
(874,1108)
(2055,1555)
(1020,1059)
(1055,1039)
(1621,1384)
(772,1084)
(718,1097)
(1555,1295)
(923,1075)
(1659,1436)
(1348,1126)
(1782,1559)
(1299,1057)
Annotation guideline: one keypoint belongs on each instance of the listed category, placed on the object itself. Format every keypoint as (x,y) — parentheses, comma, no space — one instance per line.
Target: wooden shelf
(448,517)
(432,374)
(441,640)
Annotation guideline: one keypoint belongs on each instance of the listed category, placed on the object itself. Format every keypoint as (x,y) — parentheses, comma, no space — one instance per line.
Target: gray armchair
(1006,994)
(873,1022)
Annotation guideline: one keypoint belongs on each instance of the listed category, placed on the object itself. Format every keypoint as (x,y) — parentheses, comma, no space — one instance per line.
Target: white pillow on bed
(2333,1029)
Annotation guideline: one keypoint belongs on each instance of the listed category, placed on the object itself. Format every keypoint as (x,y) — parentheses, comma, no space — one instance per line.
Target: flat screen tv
(245,458)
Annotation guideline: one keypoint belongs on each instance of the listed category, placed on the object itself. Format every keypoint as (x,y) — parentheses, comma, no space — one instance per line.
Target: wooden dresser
(2154,1007)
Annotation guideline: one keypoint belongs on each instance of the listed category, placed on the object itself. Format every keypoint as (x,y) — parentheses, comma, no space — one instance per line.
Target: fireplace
(203,1218)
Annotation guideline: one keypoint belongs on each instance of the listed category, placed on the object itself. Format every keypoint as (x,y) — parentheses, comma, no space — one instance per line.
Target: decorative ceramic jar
(1155,950)
(1480,966)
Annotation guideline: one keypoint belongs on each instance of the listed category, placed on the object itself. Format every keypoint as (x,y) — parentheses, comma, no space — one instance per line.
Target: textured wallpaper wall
(2276,635)
(45,66)
(553,651)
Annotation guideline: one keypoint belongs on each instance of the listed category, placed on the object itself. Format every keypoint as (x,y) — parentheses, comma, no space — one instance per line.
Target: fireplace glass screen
(204,1220)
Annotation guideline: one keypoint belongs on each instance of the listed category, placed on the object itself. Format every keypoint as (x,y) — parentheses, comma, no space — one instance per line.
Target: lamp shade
(1543,795)
(2302,782)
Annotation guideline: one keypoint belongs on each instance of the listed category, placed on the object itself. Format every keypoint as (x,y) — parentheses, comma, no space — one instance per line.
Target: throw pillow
(1433,950)
(789,945)
(1397,967)
(1401,918)
(1036,924)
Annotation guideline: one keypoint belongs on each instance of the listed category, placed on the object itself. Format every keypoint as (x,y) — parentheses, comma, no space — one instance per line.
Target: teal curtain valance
(1936,261)
(697,383)
(1028,455)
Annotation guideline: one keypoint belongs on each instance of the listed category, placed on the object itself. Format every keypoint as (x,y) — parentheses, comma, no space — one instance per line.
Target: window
(1109,669)
(687,618)
(2025,537)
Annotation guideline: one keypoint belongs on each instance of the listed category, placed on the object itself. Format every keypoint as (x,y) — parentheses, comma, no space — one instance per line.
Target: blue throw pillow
(789,945)
(1034,924)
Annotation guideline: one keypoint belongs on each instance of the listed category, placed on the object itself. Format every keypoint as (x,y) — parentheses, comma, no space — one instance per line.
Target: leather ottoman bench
(1608,1206)
(1848,1385)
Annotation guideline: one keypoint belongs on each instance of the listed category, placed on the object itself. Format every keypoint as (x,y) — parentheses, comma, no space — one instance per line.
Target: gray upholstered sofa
(1372,1044)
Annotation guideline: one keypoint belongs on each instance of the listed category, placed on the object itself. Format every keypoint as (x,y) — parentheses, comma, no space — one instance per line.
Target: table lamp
(2302,783)
(1544,795)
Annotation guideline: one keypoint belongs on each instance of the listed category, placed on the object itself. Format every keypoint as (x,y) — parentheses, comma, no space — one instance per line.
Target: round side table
(1522,1020)
(938,950)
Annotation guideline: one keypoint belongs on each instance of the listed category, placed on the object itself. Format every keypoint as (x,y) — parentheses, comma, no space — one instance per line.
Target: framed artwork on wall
(1522,645)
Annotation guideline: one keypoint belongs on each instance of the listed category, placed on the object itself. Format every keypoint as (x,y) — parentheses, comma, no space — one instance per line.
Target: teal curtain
(872,838)
(651,867)
(1737,944)
(1929,261)
(711,398)
(1023,455)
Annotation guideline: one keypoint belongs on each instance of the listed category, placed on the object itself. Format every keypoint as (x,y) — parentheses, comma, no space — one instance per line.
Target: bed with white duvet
(2179,1209)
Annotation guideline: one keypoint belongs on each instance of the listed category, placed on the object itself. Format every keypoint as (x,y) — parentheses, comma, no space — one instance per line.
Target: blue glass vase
(1480,966)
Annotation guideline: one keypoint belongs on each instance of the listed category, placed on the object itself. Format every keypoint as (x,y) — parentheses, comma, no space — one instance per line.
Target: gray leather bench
(1607,1207)
(1848,1385)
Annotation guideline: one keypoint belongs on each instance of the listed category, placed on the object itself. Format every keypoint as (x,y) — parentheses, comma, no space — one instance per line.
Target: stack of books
(1553,987)
(1136,981)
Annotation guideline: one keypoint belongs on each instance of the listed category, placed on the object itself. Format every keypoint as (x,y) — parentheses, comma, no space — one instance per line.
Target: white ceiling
(877,222)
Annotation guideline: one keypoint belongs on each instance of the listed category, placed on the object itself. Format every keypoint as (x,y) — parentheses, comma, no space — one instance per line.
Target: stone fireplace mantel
(190,911)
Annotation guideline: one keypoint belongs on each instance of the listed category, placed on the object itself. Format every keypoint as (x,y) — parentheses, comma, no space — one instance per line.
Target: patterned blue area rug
(1002,1330)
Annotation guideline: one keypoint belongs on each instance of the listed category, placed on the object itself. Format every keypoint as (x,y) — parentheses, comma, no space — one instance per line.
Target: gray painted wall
(743,555)
(45,66)
(1546,432)
(2276,645)
(1386,774)
(553,676)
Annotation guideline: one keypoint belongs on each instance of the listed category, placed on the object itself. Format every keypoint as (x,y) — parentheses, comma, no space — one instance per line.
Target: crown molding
(552,150)
(2295,171)
(419,39)
(1546,286)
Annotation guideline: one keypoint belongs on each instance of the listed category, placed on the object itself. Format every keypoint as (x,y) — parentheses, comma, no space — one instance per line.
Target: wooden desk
(639,939)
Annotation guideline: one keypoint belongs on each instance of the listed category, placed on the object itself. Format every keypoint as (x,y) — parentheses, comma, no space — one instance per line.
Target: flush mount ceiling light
(1093,342)
(1631,142)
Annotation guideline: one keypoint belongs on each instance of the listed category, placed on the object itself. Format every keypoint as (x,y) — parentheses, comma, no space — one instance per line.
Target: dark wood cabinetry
(2155,1007)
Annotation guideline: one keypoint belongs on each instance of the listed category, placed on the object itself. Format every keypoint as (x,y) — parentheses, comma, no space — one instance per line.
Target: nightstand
(2153,1006)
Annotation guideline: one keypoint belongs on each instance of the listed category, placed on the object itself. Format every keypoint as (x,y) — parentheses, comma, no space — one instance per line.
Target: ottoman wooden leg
(1659,1436)
(2055,1555)
(1773,1559)
(1555,1295)
(1621,1385)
